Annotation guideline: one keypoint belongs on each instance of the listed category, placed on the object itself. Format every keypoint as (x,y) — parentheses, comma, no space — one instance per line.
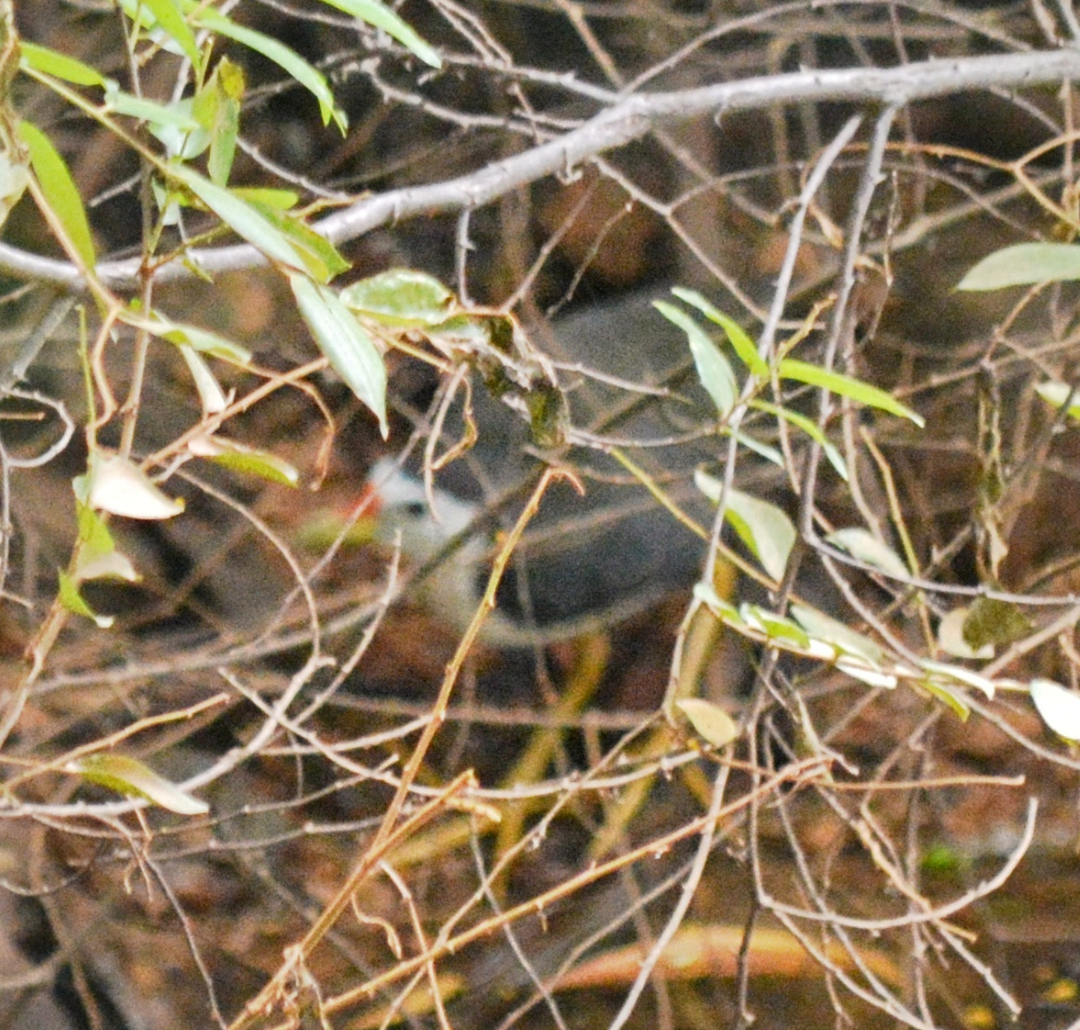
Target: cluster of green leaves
(769,535)
(764,528)
(1039,264)
(966,633)
(187,148)
(719,379)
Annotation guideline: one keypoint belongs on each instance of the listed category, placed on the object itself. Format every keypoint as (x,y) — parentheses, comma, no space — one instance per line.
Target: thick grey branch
(625,121)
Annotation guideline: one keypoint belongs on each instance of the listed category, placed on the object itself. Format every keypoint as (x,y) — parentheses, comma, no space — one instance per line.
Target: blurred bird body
(589,561)
(455,552)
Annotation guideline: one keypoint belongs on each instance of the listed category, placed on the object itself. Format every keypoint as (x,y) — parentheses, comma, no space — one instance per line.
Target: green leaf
(243,218)
(346,344)
(823,627)
(862,544)
(212,397)
(953,699)
(59,189)
(710,721)
(1024,265)
(131,777)
(235,456)
(321,258)
(265,196)
(217,108)
(98,557)
(175,116)
(1057,394)
(169,17)
(94,535)
(864,393)
(737,337)
(184,136)
(774,626)
(60,66)
(202,340)
(120,487)
(73,601)
(812,429)
(383,18)
(959,674)
(713,368)
(273,50)
(400,297)
(770,454)
(722,609)
(763,527)
(871,675)
(1058,707)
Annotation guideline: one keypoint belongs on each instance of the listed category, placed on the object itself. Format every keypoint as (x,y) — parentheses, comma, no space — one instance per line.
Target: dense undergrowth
(770,714)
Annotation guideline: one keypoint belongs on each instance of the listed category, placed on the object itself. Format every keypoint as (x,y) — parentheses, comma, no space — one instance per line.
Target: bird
(588,560)
(555,588)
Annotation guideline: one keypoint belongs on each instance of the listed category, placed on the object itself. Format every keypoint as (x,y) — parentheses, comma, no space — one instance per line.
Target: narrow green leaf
(1024,265)
(212,397)
(835,633)
(59,189)
(345,343)
(129,776)
(770,454)
(737,337)
(169,17)
(811,429)
(400,297)
(321,258)
(74,602)
(858,669)
(60,66)
(763,527)
(960,675)
(774,626)
(864,393)
(176,116)
(309,77)
(710,721)
(141,16)
(862,544)
(236,456)
(264,196)
(722,609)
(377,14)
(202,340)
(98,557)
(243,218)
(952,698)
(713,368)
(217,108)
